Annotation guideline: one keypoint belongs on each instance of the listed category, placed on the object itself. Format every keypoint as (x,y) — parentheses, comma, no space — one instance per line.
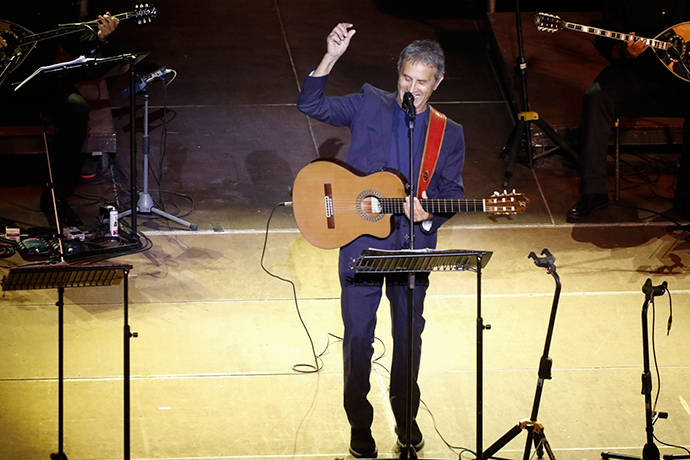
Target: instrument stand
(535,430)
(521,135)
(145,203)
(650,450)
(59,277)
(427,260)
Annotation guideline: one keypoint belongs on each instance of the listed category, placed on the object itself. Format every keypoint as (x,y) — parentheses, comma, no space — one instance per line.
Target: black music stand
(81,70)
(425,261)
(535,430)
(59,277)
(650,451)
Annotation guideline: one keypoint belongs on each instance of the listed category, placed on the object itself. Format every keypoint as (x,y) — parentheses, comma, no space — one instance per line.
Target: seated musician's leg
(617,90)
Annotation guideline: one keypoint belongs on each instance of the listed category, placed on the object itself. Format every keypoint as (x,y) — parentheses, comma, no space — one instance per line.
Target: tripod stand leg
(557,139)
(543,445)
(514,142)
(174,219)
(502,441)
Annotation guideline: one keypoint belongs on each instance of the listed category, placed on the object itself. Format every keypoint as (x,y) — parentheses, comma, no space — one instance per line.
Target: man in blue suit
(380,139)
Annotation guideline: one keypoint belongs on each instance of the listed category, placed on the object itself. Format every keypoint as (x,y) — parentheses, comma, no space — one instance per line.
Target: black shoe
(67,216)
(416,437)
(362,444)
(589,202)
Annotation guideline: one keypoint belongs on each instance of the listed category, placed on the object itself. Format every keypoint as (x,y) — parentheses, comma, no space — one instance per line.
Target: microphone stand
(145,203)
(408,451)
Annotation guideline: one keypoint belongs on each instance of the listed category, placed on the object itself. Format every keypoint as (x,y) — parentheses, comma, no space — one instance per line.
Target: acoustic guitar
(21,41)
(335,203)
(670,45)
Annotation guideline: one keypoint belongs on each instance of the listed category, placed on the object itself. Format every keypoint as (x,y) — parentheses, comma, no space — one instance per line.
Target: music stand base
(650,452)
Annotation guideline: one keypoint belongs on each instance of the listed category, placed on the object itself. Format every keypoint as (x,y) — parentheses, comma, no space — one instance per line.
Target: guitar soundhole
(10,37)
(369,205)
(677,50)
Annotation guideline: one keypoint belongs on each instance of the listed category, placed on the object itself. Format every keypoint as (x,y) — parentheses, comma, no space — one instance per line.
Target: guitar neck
(434,206)
(66,29)
(657,44)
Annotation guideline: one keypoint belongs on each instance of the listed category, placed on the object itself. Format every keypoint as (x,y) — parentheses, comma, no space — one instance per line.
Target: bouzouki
(670,45)
(21,41)
(335,203)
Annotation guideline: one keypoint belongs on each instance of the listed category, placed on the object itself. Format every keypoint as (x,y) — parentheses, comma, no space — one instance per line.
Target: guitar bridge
(328,202)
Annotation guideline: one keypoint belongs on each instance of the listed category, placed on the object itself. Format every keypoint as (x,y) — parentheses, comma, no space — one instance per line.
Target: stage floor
(213,366)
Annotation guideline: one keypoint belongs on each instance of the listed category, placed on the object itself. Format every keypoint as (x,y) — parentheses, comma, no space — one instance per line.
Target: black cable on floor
(305,368)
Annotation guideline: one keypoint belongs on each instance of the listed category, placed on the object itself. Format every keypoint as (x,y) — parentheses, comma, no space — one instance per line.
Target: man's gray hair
(427,52)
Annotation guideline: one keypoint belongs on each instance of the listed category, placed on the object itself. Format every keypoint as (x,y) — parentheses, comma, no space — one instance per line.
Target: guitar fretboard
(658,44)
(436,206)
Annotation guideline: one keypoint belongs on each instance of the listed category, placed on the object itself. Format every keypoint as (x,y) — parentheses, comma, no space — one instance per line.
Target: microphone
(408,105)
(145,81)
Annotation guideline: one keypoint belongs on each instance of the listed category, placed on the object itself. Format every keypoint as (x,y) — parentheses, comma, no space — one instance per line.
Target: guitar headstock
(144,13)
(545,22)
(507,203)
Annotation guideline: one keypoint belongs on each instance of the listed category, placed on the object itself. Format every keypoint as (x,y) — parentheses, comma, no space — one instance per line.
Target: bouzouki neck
(546,22)
(66,29)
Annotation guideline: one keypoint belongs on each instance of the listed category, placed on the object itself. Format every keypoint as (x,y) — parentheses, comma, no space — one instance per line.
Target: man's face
(420,80)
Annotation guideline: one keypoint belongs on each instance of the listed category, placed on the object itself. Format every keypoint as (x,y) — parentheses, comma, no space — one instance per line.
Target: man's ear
(438,82)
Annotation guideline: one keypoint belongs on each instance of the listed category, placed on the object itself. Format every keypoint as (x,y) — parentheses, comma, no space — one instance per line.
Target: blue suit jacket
(369,116)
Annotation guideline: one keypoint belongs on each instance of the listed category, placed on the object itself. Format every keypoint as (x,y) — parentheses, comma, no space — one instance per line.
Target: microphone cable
(318,363)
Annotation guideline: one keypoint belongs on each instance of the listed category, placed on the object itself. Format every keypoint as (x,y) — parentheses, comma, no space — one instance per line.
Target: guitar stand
(522,131)
(650,451)
(535,430)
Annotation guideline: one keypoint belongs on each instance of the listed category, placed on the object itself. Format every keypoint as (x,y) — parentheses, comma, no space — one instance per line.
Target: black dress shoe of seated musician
(416,437)
(589,202)
(67,216)
(362,444)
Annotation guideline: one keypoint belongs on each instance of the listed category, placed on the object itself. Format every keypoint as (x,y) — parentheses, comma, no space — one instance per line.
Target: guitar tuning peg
(513,192)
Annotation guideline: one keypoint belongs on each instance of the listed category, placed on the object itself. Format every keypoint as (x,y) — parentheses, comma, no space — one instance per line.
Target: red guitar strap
(432,147)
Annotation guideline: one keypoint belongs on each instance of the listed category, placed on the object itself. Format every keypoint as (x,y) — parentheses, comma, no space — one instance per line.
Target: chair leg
(618,159)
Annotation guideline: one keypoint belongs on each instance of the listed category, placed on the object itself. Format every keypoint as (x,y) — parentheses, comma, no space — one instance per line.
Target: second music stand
(425,261)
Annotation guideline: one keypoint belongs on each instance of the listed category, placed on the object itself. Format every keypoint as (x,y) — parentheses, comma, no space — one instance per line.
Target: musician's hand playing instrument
(633,48)
(106,26)
(419,213)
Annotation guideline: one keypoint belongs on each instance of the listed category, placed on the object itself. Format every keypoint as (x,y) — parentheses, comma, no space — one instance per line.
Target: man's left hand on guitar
(419,213)
(633,48)
(106,26)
